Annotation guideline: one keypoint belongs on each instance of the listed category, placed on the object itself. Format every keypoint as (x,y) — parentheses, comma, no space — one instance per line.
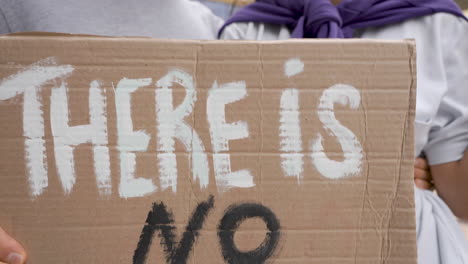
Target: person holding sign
(441,128)
(412,19)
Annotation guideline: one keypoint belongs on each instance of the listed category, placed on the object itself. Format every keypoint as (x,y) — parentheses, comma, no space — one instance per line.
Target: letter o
(231,220)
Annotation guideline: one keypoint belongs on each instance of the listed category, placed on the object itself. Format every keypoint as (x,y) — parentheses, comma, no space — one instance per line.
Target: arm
(11,252)
(422,175)
(451,181)
(447,148)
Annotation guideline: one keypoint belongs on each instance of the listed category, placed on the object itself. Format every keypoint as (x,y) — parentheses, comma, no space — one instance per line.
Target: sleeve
(441,125)
(448,136)
(4,28)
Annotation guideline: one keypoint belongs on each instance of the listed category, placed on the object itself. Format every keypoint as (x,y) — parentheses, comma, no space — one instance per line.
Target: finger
(11,251)
(424,185)
(422,174)
(421,164)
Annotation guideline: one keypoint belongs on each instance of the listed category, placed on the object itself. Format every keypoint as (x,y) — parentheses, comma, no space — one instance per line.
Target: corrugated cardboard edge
(65,36)
(409,129)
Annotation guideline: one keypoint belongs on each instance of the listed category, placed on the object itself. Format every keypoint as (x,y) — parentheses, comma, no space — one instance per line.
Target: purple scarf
(321,19)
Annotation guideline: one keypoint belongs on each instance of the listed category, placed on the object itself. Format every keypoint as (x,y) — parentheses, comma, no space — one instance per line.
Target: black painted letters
(233,217)
(161,219)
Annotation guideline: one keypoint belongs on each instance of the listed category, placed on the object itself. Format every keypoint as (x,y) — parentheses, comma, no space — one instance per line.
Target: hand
(11,252)
(422,175)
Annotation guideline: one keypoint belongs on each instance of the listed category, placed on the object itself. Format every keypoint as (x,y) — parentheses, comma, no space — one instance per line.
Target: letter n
(160,219)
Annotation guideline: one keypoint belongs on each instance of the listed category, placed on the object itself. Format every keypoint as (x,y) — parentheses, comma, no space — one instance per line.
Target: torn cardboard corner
(120,150)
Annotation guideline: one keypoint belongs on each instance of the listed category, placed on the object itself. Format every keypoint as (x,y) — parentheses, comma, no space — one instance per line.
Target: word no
(161,220)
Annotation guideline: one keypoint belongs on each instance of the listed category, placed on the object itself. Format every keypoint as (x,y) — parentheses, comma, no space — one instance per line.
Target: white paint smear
(29,82)
(352,149)
(222,132)
(98,126)
(293,67)
(130,141)
(66,137)
(292,161)
(171,126)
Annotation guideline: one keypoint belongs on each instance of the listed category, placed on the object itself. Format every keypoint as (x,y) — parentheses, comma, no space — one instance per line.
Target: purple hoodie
(321,19)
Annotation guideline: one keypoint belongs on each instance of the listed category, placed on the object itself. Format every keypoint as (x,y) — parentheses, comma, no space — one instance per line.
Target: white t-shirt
(441,126)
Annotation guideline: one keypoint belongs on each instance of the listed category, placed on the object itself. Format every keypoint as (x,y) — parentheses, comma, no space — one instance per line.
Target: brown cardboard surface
(365,216)
(462,3)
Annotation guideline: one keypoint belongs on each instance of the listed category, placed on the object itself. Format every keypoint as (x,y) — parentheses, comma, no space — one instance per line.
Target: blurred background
(463,4)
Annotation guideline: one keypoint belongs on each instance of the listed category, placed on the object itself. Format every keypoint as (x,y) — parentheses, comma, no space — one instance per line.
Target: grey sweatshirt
(152,18)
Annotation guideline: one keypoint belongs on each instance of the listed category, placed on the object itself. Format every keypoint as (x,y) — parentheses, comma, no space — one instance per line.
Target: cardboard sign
(134,150)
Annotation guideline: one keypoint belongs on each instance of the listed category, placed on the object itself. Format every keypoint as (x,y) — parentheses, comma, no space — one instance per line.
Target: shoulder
(439,25)
(437,19)
(448,27)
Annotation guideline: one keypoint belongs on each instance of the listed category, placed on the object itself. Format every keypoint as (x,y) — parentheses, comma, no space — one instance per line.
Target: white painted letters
(293,67)
(171,125)
(290,135)
(29,82)
(351,165)
(130,141)
(66,138)
(292,161)
(222,133)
